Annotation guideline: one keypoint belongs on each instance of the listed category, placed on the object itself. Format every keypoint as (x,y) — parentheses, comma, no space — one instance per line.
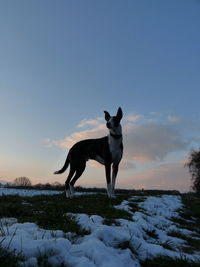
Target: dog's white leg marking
(67,193)
(71,188)
(114,176)
(109,190)
(113,185)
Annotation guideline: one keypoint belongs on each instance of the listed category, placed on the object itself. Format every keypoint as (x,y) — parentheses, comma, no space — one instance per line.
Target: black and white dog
(107,150)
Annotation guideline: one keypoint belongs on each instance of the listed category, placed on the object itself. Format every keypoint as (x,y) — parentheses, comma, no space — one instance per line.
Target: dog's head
(113,122)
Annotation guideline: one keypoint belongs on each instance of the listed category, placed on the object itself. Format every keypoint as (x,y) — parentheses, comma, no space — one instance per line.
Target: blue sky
(65,62)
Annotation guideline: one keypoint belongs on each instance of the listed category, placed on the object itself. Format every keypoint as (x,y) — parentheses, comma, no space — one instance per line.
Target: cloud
(151,142)
(91,122)
(124,164)
(147,142)
(173,119)
(127,164)
(69,141)
(133,117)
(166,176)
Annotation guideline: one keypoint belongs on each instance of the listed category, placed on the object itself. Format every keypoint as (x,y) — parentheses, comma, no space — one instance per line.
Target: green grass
(134,205)
(164,261)
(8,259)
(151,233)
(190,215)
(192,209)
(193,244)
(127,245)
(190,220)
(49,212)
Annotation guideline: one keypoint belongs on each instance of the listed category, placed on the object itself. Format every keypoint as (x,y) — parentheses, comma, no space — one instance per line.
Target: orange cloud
(168,176)
(140,158)
(173,119)
(92,122)
(151,142)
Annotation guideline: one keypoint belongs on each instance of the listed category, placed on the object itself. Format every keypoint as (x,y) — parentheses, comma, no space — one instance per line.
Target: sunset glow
(63,63)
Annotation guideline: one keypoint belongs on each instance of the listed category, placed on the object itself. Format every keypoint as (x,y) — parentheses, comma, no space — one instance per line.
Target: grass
(8,259)
(190,219)
(191,211)
(152,233)
(127,245)
(134,206)
(49,212)
(193,244)
(167,245)
(164,261)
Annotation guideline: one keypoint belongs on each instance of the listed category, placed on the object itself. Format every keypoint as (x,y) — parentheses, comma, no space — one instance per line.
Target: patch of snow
(123,244)
(32,192)
(26,193)
(147,232)
(165,206)
(124,206)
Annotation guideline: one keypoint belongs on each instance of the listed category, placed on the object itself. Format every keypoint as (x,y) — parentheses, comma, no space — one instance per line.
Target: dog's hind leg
(67,182)
(79,172)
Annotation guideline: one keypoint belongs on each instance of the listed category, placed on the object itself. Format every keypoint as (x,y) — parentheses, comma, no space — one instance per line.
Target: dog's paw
(67,192)
(112,196)
(71,188)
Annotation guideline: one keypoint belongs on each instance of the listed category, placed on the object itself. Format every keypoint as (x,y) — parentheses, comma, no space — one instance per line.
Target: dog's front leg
(114,176)
(108,180)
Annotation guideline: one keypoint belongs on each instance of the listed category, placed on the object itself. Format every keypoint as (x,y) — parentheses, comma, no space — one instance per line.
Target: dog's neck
(117,134)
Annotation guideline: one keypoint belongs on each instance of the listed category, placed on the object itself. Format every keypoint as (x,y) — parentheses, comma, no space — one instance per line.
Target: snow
(125,243)
(32,192)
(26,192)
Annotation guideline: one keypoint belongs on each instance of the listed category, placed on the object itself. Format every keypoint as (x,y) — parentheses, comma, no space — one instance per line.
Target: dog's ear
(107,115)
(119,114)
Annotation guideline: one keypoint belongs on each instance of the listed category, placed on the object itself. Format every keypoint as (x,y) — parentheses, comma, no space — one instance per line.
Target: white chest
(115,148)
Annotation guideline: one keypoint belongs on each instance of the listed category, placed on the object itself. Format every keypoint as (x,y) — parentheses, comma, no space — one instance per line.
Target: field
(92,230)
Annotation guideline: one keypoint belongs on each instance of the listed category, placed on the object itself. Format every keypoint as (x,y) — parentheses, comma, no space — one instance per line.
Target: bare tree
(194,169)
(22,181)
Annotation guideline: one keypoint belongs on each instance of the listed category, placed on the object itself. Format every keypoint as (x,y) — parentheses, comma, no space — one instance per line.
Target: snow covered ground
(124,243)
(26,193)
(31,192)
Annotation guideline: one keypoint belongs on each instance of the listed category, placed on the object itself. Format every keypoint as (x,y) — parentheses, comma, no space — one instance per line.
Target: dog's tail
(64,167)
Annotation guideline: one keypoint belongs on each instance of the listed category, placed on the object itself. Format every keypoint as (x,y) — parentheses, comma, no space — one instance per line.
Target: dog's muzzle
(108,125)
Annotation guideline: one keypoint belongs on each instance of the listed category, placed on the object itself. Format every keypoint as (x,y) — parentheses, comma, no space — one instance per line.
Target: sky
(64,62)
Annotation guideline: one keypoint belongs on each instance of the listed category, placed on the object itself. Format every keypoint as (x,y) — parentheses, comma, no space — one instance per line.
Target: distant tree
(194,168)
(56,184)
(47,186)
(22,181)
(38,186)
(8,185)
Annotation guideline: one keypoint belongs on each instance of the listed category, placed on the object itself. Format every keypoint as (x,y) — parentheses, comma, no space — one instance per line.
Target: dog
(107,150)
